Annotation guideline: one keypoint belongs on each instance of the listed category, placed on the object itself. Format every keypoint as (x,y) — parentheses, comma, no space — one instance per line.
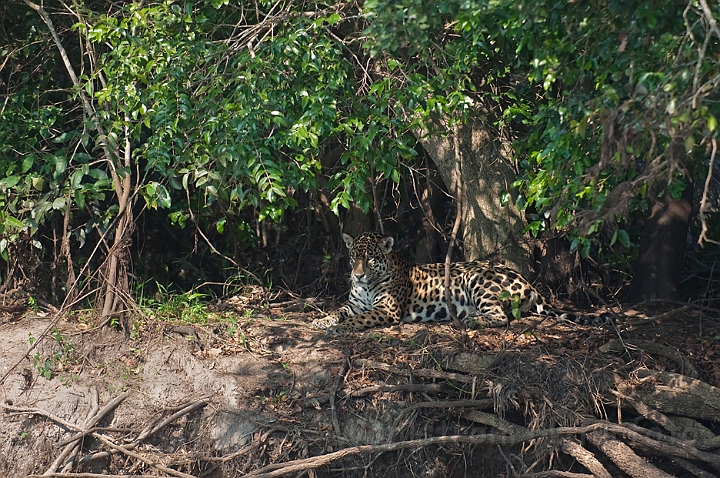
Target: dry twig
(333,392)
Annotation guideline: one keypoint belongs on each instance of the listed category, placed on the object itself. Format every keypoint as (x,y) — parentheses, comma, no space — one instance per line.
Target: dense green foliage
(600,97)
(224,114)
(211,117)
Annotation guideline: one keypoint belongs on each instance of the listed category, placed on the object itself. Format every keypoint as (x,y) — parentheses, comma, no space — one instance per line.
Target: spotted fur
(386,290)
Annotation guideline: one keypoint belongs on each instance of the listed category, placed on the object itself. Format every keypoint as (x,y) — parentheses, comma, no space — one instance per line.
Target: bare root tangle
(400,421)
(666,445)
(127,451)
(697,471)
(95,415)
(649,413)
(71,448)
(494,439)
(428,404)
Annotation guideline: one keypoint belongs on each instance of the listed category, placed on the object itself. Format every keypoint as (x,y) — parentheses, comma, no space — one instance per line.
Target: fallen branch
(403,387)
(668,446)
(555,474)
(492,420)
(90,431)
(183,411)
(479,404)
(43,413)
(653,318)
(406,387)
(420,373)
(92,475)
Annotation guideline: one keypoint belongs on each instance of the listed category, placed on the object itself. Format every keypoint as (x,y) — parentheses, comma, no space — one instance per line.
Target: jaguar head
(368,256)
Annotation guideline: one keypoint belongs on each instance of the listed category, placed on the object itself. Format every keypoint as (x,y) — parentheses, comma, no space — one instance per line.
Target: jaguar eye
(371,262)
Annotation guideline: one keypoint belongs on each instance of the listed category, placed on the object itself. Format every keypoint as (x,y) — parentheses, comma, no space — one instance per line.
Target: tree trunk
(662,248)
(116,284)
(489,228)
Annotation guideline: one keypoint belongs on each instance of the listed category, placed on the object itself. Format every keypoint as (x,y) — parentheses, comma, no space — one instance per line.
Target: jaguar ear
(386,244)
(348,240)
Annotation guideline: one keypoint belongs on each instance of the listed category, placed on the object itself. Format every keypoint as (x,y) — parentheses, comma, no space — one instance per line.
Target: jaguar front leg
(333,319)
(384,312)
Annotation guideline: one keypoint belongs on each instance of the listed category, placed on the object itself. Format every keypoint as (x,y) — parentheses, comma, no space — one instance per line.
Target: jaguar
(386,290)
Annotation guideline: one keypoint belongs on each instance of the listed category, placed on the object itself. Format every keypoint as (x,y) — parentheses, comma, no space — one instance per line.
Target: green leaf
(80,199)
(711,123)
(76,179)
(59,203)
(163,196)
(27,163)
(333,19)
(9,182)
(14,222)
(624,238)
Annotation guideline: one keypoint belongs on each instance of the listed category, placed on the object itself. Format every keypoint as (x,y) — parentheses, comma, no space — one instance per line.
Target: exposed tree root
(676,394)
(624,457)
(585,458)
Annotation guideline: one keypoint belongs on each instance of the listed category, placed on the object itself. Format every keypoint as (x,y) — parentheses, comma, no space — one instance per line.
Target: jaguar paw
(325,322)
